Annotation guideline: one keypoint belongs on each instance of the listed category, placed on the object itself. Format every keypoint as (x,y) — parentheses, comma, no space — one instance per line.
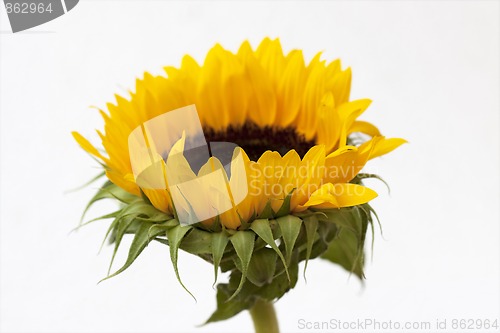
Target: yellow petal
(215,190)
(223,89)
(87,146)
(262,100)
(290,89)
(364,127)
(313,93)
(348,112)
(239,183)
(342,86)
(329,124)
(159,198)
(340,195)
(271,58)
(122,181)
(177,167)
(385,146)
(342,166)
(311,171)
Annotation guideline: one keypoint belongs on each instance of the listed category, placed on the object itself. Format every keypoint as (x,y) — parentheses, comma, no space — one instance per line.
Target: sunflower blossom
(294,126)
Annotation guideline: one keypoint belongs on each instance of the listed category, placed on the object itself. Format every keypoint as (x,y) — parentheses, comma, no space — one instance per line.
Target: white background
(432,70)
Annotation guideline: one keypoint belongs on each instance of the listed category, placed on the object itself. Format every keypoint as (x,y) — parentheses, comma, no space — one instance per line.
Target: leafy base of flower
(262,257)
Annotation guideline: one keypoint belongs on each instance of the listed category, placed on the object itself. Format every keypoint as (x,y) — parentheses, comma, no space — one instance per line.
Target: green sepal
(360,176)
(123,223)
(156,218)
(366,209)
(262,267)
(347,249)
(311,226)
(346,218)
(175,236)
(109,191)
(369,210)
(107,236)
(285,207)
(263,230)
(243,243)
(135,212)
(290,228)
(280,284)
(148,212)
(344,250)
(309,212)
(267,212)
(227,265)
(161,228)
(141,240)
(219,243)
(270,291)
(197,242)
(103,217)
(326,233)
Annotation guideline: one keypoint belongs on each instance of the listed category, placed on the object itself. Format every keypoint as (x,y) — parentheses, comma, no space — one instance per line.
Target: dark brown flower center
(255,140)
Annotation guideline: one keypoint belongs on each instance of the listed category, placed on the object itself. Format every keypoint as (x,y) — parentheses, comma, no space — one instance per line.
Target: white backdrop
(432,70)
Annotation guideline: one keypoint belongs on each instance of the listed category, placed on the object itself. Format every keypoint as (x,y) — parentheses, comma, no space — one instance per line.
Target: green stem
(264,317)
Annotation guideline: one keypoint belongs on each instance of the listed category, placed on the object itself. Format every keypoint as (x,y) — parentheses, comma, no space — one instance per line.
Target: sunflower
(294,126)
(283,114)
